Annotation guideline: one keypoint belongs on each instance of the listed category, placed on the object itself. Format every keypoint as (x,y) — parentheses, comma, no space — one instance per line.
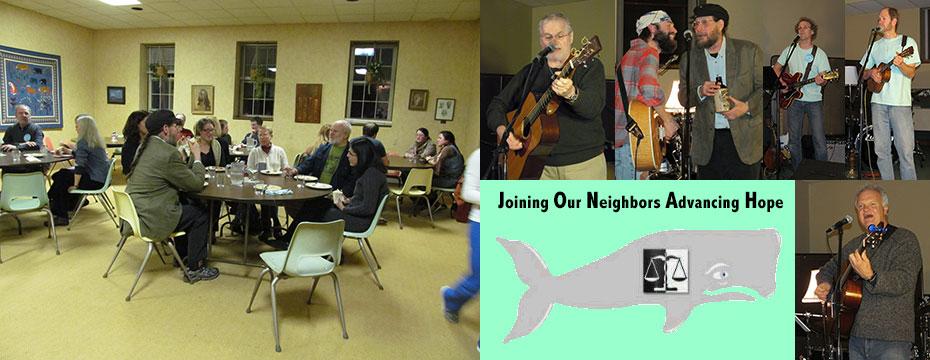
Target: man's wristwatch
(573,98)
(872,280)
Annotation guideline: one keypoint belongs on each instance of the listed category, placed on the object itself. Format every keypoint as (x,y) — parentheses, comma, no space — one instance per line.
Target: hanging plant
(374,75)
(159,70)
(258,76)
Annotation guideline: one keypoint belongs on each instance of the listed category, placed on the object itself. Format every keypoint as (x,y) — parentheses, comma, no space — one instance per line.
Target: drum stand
(808,349)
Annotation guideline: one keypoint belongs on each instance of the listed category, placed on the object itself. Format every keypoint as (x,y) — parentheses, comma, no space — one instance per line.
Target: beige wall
(439,56)
(745,17)
(508,33)
(857,36)
(28,30)
(781,16)
(589,18)
(822,203)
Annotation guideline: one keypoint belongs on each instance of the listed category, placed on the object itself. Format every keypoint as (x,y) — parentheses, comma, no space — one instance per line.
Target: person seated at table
(422,147)
(266,157)
(323,138)
(370,132)
(212,151)
(183,133)
(448,164)
(224,138)
(133,131)
(157,177)
(357,210)
(256,123)
(89,172)
(24,135)
(330,164)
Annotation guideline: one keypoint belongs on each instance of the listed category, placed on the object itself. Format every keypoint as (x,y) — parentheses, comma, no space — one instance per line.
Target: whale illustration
(721,261)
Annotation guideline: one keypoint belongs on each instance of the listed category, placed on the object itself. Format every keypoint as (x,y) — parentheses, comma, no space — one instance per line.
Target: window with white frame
(255,88)
(372,72)
(160,73)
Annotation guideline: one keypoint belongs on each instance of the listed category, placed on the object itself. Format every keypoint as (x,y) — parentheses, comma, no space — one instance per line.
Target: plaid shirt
(639,67)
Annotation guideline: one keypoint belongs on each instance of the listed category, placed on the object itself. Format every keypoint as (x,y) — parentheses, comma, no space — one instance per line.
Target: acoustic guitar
(649,151)
(885,70)
(850,296)
(793,84)
(537,125)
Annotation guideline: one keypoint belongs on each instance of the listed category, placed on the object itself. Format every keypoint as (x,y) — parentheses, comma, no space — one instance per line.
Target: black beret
(717,11)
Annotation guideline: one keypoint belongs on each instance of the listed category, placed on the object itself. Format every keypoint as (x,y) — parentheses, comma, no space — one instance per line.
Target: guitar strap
(811,63)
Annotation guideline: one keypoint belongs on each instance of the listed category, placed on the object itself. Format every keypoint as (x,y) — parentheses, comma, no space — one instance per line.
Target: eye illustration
(721,275)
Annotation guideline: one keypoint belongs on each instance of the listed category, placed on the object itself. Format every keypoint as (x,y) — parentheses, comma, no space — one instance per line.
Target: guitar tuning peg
(585,41)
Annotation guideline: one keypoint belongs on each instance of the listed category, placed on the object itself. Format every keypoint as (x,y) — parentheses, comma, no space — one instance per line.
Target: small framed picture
(418,99)
(202,99)
(116,95)
(445,109)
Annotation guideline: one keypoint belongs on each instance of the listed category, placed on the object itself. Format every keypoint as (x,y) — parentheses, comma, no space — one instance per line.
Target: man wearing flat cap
(638,67)
(725,145)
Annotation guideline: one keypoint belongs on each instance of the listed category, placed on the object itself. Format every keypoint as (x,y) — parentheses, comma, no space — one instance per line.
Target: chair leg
(174,252)
(158,252)
(52,232)
(119,247)
(109,208)
(372,267)
(430,206)
(342,316)
(312,288)
(397,202)
(258,283)
(139,273)
(371,250)
(19,224)
(274,313)
(77,210)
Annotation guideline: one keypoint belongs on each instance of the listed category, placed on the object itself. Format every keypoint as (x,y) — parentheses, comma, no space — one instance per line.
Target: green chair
(362,238)
(418,185)
(315,251)
(23,193)
(99,194)
(126,211)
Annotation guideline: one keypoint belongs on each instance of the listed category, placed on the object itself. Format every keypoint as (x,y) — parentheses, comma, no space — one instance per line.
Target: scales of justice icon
(665,271)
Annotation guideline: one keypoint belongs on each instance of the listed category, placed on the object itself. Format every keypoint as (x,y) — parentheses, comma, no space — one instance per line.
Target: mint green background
(567,239)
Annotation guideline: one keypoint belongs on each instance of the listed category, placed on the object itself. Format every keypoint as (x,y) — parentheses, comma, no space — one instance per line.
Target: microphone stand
(498,166)
(686,126)
(834,298)
(776,106)
(863,91)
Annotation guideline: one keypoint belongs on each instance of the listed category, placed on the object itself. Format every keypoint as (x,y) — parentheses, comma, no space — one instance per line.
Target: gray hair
(877,188)
(555,16)
(88,131)
(345,125)
(23,106)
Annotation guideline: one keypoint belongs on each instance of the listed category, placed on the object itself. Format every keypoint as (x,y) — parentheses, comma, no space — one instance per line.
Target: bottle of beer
(720,98)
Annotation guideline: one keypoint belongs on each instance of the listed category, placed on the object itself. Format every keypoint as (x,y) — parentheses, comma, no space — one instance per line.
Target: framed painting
(202,99)
(445,109)
(116,95)
(32,79)
(418,99)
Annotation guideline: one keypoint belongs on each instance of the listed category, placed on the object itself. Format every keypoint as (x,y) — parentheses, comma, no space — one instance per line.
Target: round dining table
(220,188)
(399,162)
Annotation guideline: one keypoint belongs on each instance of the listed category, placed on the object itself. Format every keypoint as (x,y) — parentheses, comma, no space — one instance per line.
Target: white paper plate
(269,172)
(306,177)
(319,186)
(267,187)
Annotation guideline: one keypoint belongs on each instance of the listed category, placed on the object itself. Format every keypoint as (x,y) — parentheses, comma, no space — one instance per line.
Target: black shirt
(16,135)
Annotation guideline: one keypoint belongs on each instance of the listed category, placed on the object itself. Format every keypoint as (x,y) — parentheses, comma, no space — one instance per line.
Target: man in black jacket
(579,153)
(24,135)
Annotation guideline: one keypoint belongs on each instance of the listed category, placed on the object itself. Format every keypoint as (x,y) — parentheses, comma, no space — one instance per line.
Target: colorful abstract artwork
(33,79)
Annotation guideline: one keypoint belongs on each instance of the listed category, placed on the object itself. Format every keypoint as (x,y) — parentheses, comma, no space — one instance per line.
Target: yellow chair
(126,211)
(315,250)
(418,185)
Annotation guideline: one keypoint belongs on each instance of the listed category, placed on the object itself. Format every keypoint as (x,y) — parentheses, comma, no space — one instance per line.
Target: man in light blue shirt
(803,56)
(891,108)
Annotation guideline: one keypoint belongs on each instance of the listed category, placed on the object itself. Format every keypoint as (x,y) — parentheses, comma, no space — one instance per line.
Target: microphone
(845,220)
(545,51)
(876,29)
(688,35)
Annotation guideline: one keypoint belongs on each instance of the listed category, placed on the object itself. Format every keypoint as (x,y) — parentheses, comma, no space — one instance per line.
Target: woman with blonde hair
(322,138)
(89,172)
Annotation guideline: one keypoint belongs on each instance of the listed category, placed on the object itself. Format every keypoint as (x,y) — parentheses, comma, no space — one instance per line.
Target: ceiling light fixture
(121,2)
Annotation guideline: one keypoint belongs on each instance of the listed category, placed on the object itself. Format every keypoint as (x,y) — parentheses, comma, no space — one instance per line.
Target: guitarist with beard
(808,60)
(891,106)
(578,154)
(884,324)
(639,68)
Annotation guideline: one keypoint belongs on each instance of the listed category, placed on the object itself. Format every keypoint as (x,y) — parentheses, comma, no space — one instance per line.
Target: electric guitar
(850,296)
(537,126)
(793,84)
(885,70)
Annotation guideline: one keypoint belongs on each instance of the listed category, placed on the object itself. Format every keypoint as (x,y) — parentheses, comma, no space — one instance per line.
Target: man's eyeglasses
(549,37)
